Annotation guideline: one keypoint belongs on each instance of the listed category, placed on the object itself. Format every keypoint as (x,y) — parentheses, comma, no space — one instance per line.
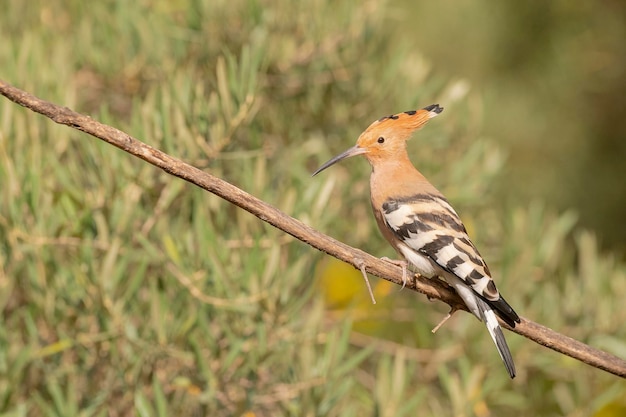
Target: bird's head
(387,136)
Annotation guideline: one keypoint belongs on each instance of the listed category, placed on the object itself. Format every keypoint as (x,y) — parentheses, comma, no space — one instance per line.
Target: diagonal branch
(431,288)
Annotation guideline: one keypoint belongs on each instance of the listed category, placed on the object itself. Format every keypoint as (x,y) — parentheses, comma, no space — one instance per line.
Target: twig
(431,288)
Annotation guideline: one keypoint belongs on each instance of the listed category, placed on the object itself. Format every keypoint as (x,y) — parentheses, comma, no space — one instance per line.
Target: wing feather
(428,224)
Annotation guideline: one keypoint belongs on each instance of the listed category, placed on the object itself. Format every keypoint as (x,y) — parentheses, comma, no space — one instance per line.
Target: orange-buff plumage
(422,226)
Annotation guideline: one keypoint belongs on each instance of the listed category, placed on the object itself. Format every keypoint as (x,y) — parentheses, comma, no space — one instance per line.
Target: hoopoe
(422,226)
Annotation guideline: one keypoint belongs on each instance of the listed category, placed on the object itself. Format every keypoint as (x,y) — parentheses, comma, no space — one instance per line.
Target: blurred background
(125,291)
(551,81)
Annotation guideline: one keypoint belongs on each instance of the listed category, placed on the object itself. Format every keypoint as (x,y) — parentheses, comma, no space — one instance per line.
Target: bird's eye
(381,140)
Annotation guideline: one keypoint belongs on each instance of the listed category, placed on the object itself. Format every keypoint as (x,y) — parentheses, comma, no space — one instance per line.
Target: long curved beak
(353,151)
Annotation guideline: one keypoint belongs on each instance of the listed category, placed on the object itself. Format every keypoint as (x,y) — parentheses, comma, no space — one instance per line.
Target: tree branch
(431,288)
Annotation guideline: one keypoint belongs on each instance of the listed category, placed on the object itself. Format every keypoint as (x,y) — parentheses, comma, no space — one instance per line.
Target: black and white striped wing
(428,225)
(431,233)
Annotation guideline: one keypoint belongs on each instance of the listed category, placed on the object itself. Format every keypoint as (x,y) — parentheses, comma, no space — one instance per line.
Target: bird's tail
(489,318)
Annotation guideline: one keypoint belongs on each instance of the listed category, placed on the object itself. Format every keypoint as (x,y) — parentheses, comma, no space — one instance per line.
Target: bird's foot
(361,265)
(403,264)
(445,319)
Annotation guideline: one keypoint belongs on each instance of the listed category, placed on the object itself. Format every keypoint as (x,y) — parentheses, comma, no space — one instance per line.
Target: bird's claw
(403,264)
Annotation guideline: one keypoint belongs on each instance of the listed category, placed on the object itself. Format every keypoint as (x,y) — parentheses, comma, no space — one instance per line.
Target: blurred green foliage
(125,291)
(550,78)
